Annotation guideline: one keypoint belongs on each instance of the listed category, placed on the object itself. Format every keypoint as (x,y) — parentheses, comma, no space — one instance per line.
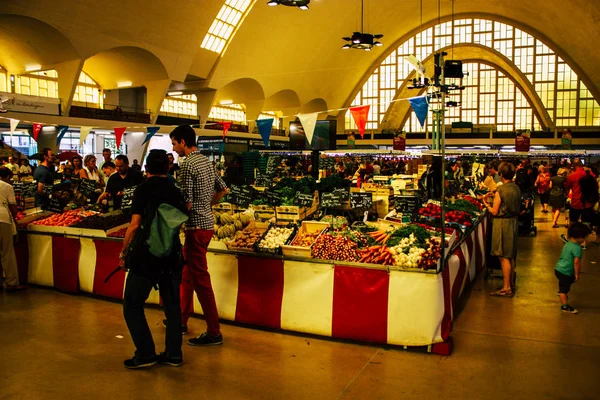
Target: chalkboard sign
(342,193)
(330,200)
(407,204)
(263,180)
(29,189)
(272,164)
(241,195)
(127,199)
(273,199)
(361,200)
(75,182)
(304,200)
(87,187)
(48,189)
(326,163)
(55,206)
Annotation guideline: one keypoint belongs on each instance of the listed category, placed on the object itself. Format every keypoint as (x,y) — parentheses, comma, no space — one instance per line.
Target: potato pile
(246,239)
(305,239)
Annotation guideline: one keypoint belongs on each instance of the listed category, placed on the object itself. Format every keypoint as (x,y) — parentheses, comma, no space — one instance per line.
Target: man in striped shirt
(202,188)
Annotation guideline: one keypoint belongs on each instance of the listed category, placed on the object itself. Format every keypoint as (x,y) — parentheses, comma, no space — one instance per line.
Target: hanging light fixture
(361,40)
(301,4)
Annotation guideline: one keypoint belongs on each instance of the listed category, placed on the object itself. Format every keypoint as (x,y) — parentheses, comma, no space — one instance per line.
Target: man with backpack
(584,194)
(152,253)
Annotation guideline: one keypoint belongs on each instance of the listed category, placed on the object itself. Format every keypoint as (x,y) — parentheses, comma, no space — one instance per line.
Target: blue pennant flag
(420,106)
(62,130)
(264,127)
(151,132)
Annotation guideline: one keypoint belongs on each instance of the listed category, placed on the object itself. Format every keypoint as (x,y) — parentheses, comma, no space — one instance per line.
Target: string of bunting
(360,114)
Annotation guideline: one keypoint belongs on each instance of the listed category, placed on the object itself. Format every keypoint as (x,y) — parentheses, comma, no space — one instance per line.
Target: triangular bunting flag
(151,132)
(36,131)
(84,131)
(360,115)
(420,106)
(308,121)
(62,130)
(226,126)
(264,127)
(119,134)
(13,125)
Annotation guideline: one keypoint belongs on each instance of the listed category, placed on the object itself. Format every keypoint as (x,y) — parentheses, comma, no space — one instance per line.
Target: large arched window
(184,104)
(88,92)
(491,97)
(231,112)
(41,83)
(3,80)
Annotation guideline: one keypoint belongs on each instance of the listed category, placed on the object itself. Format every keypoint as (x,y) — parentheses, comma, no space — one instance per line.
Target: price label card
(55,206)
(48,189)
(304,200)
(87,187)
(406,204)
(273,199)
(342,193)
(263,180)
(361,200)
(29,189)
(127,200)
(330,200)
(243,199)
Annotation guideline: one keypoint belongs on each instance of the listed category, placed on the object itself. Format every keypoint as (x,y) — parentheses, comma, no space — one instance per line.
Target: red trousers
(196,278)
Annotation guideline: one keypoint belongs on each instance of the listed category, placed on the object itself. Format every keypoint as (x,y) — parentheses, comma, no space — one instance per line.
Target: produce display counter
(364,302)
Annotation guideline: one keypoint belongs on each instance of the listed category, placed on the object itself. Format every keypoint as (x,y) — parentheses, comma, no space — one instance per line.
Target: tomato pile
(474,201)
(65,219)
(431,210)
(459,217)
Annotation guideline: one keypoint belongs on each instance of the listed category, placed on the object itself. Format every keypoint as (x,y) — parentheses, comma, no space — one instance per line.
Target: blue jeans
(137,290)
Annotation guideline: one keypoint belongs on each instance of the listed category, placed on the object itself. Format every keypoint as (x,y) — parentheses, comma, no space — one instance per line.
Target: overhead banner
(119,134)
(226,126)
(151,132)
(264,127)
(420,106)
(13,125)
(523,140)
(400,140)
(84,131)
(36,131)
(309,122)
(62,130)
(360,115)
(29,104)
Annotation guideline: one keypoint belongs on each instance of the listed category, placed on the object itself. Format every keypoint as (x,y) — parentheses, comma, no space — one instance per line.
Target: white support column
(155,94)
(68,77)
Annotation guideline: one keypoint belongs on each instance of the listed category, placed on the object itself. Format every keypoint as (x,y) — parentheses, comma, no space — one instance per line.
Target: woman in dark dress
(557,195)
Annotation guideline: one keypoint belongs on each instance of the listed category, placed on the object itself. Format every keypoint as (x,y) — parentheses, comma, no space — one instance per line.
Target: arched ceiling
(283,48)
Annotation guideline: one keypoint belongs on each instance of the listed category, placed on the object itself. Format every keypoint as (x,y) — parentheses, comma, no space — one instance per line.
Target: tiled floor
(57,346)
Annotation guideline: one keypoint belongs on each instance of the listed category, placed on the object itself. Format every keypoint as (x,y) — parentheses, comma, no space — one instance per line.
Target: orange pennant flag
(119,134)
(360,115)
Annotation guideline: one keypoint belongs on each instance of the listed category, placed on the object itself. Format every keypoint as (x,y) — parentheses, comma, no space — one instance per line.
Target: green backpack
(164,227)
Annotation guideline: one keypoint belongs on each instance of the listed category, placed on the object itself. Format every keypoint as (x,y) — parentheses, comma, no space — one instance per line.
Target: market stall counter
(366,302)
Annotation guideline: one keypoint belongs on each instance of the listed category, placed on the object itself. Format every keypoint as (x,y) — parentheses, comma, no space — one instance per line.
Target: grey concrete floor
(57,346)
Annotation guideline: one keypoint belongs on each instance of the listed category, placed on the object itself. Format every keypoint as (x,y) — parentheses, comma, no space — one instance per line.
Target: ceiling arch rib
(125,66)
(398,111)
(27,43)
(284,99)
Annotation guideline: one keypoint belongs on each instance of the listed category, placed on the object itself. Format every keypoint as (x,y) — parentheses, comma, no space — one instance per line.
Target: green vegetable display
(462,205)
(420,233)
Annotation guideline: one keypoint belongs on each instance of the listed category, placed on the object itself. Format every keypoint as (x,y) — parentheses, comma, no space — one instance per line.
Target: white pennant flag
(84,131)
(13,125)
(309,121)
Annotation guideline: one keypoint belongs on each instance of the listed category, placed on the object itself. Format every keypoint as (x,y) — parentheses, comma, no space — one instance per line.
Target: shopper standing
(43,175)
(202,187)
(505,214)
(8,211)
(542,183)
(557,199)
(147,270)
(581,206)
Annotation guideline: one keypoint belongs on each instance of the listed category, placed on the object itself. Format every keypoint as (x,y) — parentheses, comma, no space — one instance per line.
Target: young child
(568,265)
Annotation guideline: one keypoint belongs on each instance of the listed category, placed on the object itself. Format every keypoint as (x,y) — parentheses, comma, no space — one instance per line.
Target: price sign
(87,187)
(241,195)
(273,199)
(55,206)
(361,200)
(29,189)
(75,182)
(48,190)
(406,204)
(342,193)
(127,199)
(263,180)
(304,200)
(330,200)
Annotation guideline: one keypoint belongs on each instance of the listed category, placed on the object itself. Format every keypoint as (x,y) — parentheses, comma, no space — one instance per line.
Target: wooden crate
(296,213)
(306,227)
(260,227)
(263,212)
(223,207)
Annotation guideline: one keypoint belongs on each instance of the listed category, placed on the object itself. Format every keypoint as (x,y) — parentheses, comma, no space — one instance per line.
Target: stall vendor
(125,178)
(44,176)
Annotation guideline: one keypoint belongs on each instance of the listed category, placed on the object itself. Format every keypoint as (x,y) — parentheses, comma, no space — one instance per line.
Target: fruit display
(429,259)
(118,234)
(227,224)
(431,210)
(305,239)
(246,239)
(20,215)
(459,217)
(463,205)
(275,238)
(102,222)
(68,218)
(335,247)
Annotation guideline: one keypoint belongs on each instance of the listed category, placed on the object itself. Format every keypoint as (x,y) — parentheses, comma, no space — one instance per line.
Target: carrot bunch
(376,255)
(379,236)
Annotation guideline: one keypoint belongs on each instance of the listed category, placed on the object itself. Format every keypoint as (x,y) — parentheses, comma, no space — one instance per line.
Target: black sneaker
(163,358)
(134,363)
(564,238)
(184,328)
(206,340)
(569,309)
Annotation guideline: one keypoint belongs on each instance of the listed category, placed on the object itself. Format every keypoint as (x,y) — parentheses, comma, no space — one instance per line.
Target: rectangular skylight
(222,28)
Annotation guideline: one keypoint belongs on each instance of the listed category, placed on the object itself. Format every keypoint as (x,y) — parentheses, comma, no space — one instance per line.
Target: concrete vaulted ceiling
(280,48)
